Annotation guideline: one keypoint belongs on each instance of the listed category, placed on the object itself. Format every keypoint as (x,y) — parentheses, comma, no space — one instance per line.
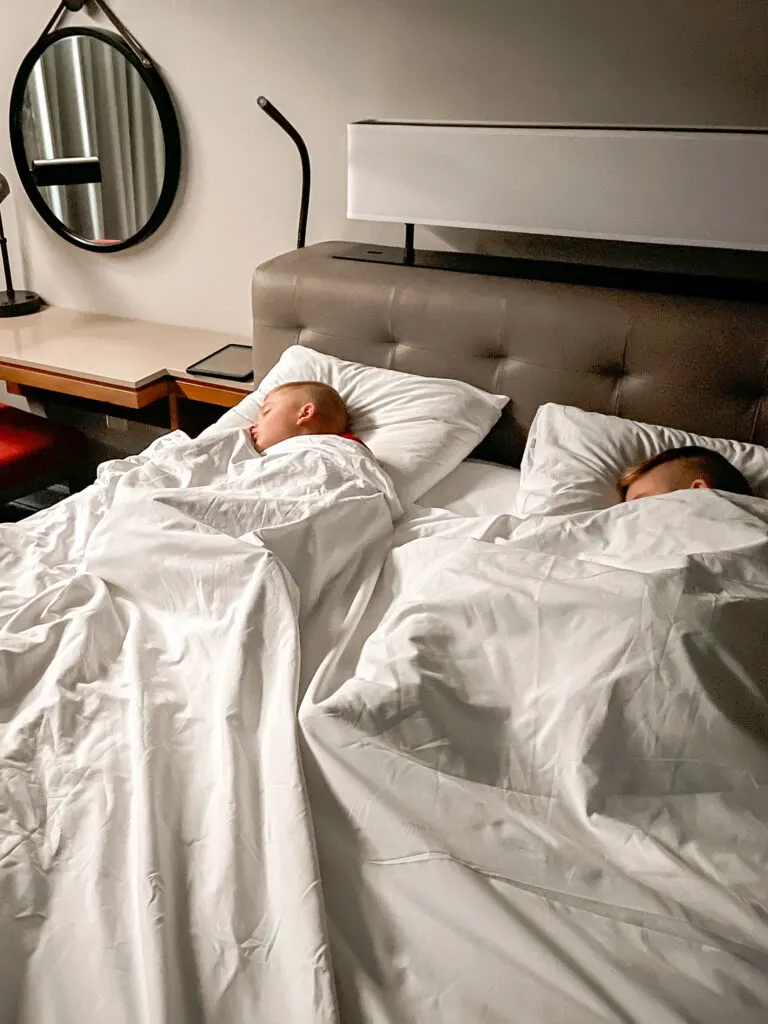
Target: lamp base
(695,283)
(22,304)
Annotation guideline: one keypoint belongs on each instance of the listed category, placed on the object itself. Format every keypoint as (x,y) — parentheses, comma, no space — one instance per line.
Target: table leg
(173,408)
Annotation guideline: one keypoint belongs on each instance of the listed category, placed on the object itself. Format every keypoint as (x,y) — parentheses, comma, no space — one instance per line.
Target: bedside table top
(110,350)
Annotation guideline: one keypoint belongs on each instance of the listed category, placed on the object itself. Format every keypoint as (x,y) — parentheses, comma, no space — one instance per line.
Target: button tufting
(615,370)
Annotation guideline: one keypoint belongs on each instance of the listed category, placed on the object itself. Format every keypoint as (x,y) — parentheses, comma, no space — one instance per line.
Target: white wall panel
(683,187)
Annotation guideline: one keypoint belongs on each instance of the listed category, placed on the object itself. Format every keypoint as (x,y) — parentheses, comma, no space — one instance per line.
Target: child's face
(281,417)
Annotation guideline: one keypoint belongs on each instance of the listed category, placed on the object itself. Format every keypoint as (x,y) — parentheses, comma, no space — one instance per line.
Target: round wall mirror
(95,139)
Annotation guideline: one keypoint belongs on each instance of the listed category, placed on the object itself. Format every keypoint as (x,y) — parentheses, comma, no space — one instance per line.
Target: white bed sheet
(525,778)
(157,859)
(539,787)
(475,488)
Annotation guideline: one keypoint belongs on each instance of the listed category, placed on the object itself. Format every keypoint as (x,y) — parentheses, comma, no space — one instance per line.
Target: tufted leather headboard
(700,364)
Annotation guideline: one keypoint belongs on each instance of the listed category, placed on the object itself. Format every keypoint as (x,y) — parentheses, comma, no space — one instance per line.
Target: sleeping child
(301,407)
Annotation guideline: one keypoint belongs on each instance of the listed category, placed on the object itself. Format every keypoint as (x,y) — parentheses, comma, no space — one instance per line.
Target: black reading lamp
(13,303)
(240,360)
(285,124)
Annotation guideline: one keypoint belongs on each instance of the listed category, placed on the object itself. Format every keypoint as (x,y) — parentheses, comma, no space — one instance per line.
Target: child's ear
(306,412)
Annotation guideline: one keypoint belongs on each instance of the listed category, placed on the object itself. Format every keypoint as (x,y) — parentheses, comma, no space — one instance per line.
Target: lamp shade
(697,187)
(5,188)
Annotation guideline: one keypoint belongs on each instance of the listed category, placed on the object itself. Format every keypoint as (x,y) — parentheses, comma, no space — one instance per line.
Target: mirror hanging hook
(121,29)
(63,6)
(102,5)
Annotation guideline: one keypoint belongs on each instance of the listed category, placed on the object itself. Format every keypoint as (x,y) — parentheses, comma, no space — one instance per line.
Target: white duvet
(544,788)
(252,769)
(156,852)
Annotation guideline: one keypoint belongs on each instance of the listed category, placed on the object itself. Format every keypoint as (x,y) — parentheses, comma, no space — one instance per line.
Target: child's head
(301,407)
(678,469)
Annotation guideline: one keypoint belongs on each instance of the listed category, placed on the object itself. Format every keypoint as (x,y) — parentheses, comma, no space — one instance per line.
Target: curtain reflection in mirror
(85,99)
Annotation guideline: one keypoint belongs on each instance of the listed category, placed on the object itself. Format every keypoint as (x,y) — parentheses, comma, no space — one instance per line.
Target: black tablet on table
(234,362)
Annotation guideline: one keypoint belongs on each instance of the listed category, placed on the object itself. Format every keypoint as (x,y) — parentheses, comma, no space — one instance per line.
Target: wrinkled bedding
(271,751)
(157,857)
(540,792)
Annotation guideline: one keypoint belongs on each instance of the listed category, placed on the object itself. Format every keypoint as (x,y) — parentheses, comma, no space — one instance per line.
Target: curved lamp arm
(285,124)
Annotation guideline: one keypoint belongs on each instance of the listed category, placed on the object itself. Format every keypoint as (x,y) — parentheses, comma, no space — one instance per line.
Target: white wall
(326,62)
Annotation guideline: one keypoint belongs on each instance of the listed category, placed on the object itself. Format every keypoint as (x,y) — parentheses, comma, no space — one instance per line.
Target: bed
(359,759)
(499,843)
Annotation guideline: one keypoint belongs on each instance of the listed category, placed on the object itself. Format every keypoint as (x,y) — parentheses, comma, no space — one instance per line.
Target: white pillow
(419,428)
(572,458)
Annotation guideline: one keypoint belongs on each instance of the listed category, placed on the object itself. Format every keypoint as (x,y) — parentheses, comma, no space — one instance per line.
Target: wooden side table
(128,363)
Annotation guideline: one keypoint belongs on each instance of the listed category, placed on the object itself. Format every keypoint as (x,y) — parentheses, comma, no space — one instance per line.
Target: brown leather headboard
(700,364)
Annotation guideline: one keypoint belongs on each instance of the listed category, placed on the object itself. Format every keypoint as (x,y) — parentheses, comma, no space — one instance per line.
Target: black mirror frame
(169,125)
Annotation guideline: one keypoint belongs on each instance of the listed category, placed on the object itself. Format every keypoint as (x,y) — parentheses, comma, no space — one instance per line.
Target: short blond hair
(713,467)
(330,409)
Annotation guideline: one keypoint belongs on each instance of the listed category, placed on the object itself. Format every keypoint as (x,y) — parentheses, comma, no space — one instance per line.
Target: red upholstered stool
(35,453)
